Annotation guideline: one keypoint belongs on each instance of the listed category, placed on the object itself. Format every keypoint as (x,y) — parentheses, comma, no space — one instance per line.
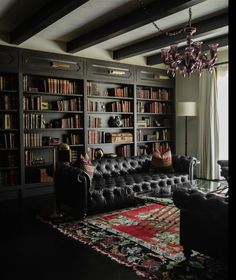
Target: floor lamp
(186,109)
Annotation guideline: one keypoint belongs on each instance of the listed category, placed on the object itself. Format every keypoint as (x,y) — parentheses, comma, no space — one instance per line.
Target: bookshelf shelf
(157,100)
(8,149)
(8,168)
(111,113)
(8,111)
(110,97)
(154,127)
(52,94)
(51,129)
(110,128)
(53,111)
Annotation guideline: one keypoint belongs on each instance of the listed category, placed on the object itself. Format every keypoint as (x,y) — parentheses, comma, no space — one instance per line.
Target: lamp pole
(186,134)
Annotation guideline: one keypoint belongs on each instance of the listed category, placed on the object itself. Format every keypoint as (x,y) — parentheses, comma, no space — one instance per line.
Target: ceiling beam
(161,41)
(135,19)
(221,40)
(47,15)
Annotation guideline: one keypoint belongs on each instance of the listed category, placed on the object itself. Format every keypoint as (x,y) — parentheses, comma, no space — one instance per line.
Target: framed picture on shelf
(147,120)
(45,105)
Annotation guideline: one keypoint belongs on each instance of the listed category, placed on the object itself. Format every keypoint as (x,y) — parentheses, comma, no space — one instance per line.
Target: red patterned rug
(153,226)
(145,239)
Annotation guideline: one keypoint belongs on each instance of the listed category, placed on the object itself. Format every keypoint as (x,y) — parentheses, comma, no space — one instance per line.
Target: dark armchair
(224,164)
(203,222)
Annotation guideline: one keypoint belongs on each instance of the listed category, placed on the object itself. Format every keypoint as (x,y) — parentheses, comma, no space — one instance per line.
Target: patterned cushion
(162,161)
(86,165)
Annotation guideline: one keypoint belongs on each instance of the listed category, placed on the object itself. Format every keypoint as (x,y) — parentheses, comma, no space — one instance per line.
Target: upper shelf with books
(36,84)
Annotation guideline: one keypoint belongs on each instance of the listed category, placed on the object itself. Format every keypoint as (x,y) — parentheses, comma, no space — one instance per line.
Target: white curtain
(222,86)
(208,128)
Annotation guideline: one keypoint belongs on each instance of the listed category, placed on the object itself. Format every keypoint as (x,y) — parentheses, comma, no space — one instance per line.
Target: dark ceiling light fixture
(192,57)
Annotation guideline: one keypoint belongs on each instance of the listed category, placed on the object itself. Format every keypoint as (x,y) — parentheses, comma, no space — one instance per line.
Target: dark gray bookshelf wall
(71,99)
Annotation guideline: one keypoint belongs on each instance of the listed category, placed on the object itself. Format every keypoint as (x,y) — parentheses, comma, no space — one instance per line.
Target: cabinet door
(8,58)
(52,64)
(109,71)
(155,77)
(9,131)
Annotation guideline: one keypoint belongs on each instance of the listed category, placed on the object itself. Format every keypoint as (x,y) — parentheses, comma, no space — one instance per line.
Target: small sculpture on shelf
(99,153)
(115,122)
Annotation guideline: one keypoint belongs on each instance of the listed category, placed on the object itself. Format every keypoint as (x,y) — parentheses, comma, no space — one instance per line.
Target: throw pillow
(162,161)
(86,165)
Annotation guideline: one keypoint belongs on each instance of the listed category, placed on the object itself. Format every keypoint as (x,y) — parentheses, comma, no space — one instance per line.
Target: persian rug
(153,226)
(128,237)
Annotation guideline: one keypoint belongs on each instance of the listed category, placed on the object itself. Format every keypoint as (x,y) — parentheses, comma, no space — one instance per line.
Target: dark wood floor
(32,250)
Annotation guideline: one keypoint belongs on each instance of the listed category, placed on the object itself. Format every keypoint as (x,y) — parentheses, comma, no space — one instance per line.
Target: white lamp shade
(186,109)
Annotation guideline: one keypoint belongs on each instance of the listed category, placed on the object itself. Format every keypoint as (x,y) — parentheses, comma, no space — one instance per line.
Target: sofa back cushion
(120,166)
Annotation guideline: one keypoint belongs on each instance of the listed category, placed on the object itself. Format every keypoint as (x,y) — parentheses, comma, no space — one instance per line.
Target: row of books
(8,159)
(162,134)
(8,121)
(33,121)
(96,137)
(123,151)
(149,148)
(75,121)
(119,106)
(7,83)
(36,103)
(154,107)
(32,140)
(72,139)
(8,102)
(74,155)
(50,85)
(123,91)
(95,122)
(32,102)
(74,104)
(153,93)
(9,178)
(120,91)
(8,140)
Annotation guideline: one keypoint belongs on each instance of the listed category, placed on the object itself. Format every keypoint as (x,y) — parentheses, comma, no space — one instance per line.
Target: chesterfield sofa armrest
(71,189)
(184,164)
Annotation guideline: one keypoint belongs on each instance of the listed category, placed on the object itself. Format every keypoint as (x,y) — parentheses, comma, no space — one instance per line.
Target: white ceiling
(90,15)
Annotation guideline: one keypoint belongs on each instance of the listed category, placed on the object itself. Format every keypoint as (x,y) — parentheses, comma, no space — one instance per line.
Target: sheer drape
(208,128)
(222,86)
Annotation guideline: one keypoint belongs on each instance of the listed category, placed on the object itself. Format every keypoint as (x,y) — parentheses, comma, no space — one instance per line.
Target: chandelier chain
(174,33)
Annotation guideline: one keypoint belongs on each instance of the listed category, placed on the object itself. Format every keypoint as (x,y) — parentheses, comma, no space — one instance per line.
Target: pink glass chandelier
(192,58)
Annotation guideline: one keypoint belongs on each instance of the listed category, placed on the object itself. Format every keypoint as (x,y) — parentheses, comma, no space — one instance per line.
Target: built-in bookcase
(155,122)
(47,99)
(53,114)
(110,118)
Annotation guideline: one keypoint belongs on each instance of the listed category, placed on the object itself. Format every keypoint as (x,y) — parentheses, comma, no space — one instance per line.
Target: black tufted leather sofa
(203,222)
(115,183)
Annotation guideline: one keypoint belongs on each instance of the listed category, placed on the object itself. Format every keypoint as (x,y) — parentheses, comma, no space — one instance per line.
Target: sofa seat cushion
(111,191)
